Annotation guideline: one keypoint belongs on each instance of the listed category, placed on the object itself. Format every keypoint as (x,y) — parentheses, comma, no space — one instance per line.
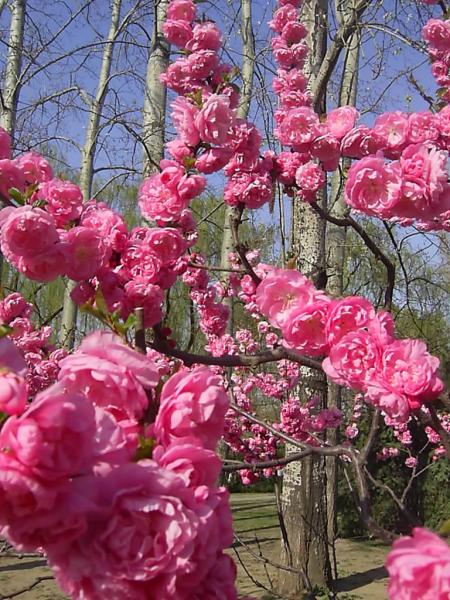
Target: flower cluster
(210,135)
(74,481)
(437,33)
(359,344)
(413,188)
(34,345)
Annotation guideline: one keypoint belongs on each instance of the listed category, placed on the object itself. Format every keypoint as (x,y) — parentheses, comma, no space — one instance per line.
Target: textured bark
(154,112)
(69,315)
(11,85)
(336,239)
(247,72)
(304,483)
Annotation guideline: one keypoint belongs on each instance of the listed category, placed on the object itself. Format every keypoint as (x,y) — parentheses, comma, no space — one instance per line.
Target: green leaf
(5,330)
(17,196)
(100,302)
(145,449)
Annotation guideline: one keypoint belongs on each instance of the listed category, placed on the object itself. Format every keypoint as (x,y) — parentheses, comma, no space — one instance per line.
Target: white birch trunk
(154,112)
(69,315)
(11,85)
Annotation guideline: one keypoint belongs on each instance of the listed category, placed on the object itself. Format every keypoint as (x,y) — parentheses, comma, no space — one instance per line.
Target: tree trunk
(69,315)
(11,86)
(304,483)
(336,239)
(154,112)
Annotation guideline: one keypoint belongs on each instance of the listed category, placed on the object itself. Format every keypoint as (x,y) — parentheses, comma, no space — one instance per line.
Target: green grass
(254,514)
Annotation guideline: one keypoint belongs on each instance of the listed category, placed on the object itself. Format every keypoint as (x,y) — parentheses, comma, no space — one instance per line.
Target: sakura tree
(108,454)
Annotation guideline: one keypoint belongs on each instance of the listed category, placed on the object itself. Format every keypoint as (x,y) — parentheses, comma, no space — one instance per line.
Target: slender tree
(11,85)
(154,112)
(69,315)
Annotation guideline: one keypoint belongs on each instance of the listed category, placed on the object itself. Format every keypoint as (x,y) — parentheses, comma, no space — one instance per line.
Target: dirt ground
(360,563)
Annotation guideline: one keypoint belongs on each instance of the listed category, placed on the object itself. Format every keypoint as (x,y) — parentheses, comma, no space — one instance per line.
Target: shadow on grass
(357,580)
(241,507)
(23,566)
(254,541)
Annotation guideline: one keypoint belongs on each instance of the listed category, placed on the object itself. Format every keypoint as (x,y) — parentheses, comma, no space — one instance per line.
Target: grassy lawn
(360,562)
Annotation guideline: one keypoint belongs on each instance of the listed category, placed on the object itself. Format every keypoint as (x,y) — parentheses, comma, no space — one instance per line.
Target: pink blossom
(304,328)
(181,10)
(34,167)
(45,266)
(54,437)
(393,130)
(87,254)
(437,33)
(373,187)
(351,431)
(349,314)
(299,127)
(139,293)
(5,144)
(353,360)
(341,120)
(422,127)
(11,176)
(281,17)
(27,231)
(166,242)
(139,260)
(184,114)
(327,149)
(251,189)
(245,140)
(360,142)
(159,201)
(409,369)
(419,567)
(281,291)
(14,305)
(215,119)
(64,200)
(287,164)
(218,583)
(193,404)
(293,32)
(13,387)
(382,327)
(34,513)
(191,186)
(110,373)
(178,150)
(141,536)
(310,178)
(108,223)
(213,160)
(203,63)
(287,56)
(206,36)
(196,465)
(177,32)
(214,319)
